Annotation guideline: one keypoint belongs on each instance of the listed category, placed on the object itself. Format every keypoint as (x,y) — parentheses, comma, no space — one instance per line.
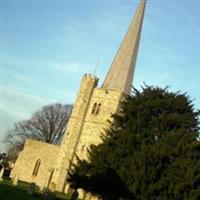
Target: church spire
(120,75)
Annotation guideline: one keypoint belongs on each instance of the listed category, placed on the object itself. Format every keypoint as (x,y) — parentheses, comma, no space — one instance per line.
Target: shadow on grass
(19,192)
(13,193)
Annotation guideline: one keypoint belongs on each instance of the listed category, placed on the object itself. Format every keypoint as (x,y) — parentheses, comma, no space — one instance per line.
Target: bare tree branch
(47,125)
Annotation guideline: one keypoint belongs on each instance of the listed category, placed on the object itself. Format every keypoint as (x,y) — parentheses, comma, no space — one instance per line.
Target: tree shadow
(10,192)
(107,185)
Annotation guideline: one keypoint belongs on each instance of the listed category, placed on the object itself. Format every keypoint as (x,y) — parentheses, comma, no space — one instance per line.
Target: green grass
(19,192)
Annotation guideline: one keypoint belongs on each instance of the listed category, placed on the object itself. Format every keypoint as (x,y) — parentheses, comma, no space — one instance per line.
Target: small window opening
(96,108)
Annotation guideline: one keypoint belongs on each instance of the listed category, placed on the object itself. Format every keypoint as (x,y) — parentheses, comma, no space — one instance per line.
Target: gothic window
(36,167)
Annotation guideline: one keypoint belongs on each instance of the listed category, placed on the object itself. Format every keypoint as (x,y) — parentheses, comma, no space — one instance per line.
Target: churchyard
(8,191)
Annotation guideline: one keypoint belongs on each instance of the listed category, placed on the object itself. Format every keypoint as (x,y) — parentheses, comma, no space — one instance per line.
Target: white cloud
(15,106)
(21,62)
(20,104)
(68,67)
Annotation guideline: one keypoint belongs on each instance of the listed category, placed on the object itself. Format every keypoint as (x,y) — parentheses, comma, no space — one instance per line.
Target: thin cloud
(20,104)
(17,105)
(73,67)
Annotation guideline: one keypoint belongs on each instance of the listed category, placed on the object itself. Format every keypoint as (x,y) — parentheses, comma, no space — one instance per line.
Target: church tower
(95,105)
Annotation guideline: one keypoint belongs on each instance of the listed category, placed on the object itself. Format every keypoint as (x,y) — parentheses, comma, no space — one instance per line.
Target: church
(47,165)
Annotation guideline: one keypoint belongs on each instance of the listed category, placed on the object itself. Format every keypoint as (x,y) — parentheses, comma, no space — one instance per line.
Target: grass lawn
(19,192)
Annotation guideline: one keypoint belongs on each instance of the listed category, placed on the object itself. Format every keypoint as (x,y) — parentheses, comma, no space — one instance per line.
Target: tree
(47,125)
(151,151)
(2,158)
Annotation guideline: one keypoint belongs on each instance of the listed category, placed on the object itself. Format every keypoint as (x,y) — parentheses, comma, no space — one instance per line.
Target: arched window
(36,167)
(98,108)
(94,108)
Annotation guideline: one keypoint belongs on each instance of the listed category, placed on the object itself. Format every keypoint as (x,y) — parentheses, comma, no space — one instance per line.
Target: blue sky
(46,47)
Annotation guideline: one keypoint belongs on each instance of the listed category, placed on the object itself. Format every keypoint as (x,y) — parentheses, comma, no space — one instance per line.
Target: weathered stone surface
(120,75)
(34,150)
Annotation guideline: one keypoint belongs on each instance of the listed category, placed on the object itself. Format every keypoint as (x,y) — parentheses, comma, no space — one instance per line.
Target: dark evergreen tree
(151,151)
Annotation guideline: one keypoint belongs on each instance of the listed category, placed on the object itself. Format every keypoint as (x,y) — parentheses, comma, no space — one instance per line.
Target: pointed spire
(120,75)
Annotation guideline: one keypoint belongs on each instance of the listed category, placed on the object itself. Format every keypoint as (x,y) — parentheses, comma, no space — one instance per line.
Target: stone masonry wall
(34,150)
(74,128)
(94,124)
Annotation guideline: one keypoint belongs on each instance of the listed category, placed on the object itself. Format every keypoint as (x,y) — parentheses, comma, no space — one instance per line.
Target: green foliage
(151,151)
(10,192)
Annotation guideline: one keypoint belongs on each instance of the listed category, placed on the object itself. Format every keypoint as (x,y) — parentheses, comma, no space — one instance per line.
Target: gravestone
(52,187)
(74,195)
(1,174)
(47,195)
(31,188)
(15,180)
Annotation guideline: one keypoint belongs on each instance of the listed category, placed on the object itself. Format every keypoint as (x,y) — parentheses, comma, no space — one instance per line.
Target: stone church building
(47,164)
